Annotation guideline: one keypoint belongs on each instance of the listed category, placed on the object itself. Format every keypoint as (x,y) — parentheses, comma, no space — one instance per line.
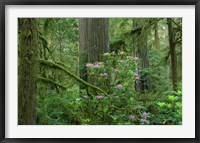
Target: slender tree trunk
(28,68)
(141,50)
(173,54)
(93,42)
(157,39)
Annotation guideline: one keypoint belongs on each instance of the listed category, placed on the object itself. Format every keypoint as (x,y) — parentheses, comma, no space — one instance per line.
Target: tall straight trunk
(93,42)
(173,53)
(27,73)
(141,50)
(157,39)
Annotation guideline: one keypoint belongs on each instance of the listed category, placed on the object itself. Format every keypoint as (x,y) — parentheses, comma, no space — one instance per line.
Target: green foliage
(170,111)
(113,73)
(123,106)
(117,74)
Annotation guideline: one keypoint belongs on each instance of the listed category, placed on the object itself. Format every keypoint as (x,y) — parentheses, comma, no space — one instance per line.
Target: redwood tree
(93,41)
(27,73)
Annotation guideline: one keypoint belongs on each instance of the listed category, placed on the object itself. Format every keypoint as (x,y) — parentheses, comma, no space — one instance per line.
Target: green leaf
(161,104)
(172,98)
(179,93)
(179,105)
(169,106)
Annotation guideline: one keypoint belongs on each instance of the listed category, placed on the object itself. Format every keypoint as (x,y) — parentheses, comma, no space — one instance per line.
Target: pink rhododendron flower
(106,54)
(99,96)
(85,96)
(119,86)
(132,117)
(135,58)
(137,77)
(121,61)
(136,74)
(89,65)
(145,114)
(143,120)
(96,65)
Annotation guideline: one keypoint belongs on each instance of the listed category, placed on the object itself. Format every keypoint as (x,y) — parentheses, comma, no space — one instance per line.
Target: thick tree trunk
(93,42)
(28,68)
(173,53)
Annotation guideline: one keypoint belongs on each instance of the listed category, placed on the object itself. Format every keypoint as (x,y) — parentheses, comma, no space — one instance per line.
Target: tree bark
(173,53)
(141,50)
(157,39)
(28,68)
(93,42)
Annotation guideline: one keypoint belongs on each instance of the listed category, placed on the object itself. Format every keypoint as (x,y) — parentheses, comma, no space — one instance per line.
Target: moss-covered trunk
(173,53)
(27,72)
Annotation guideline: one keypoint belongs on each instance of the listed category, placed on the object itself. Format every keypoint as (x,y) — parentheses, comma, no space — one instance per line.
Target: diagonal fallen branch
(51,64)
(51,81)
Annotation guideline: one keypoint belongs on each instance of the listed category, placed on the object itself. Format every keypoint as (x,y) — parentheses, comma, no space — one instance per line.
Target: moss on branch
(51,81)
(54,65)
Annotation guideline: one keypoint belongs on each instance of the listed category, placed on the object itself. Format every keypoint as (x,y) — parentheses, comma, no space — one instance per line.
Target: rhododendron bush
(118,73)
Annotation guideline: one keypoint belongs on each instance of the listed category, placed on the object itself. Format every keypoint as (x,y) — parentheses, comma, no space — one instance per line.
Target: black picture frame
(3,4)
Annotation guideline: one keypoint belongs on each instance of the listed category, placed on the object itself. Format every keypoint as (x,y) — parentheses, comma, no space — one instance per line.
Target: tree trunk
(93,42)
(141,50)
(157,39)
(28,68)
(173,54)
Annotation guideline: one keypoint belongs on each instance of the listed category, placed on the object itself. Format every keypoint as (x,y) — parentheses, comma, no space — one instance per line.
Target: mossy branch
(51,81)
(51,64)
(139,28)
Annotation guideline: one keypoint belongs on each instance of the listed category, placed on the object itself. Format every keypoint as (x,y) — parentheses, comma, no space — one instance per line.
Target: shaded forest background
(99,71)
